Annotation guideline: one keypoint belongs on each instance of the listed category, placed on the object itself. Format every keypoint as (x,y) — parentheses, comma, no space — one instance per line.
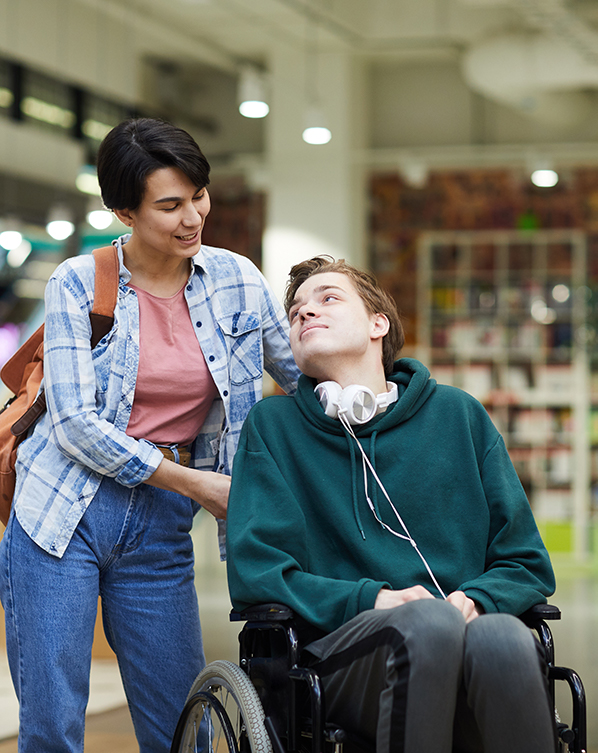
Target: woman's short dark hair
(376,300)
(134,149)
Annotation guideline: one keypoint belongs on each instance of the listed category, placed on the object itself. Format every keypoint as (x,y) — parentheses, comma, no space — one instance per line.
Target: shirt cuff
(141,466)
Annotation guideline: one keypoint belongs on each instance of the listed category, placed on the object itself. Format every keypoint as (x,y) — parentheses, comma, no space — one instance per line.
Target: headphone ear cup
(360,403)
(329,395)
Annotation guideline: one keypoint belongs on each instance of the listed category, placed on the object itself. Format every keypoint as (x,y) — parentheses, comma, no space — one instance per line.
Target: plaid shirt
(240,327)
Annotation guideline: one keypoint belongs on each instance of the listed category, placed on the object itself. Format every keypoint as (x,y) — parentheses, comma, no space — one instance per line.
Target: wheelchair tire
(224,698)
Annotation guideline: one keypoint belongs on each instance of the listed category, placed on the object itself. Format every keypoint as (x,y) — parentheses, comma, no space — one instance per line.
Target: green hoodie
(300,531)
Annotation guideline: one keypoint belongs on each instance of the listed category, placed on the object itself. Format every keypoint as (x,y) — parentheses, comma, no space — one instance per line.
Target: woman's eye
(170,209)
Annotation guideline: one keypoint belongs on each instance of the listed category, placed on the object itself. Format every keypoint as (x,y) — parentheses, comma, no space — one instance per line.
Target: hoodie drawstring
(367,464)
(354,485)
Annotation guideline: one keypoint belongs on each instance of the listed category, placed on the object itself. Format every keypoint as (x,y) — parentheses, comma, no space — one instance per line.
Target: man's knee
(433,631)
(503,648)
(501,633)
(427,632)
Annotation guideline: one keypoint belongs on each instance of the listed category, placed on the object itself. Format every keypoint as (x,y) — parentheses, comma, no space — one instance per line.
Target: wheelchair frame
(269,669)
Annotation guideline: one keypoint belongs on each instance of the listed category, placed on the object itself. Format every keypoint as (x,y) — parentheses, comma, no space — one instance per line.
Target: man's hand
(464,604)
(388,599)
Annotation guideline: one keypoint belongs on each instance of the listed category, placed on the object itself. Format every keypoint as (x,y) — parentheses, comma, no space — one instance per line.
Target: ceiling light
(100,219)
(87,180)
(545,178)
(60,223)
(252,93)
(10,239)
(414,173)
(17,255)
(316,130)
(254,108)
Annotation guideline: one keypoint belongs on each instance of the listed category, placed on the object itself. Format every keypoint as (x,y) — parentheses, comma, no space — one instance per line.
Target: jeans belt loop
(180,454)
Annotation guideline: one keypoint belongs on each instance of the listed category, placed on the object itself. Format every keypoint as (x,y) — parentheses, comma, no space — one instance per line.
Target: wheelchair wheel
(222,713)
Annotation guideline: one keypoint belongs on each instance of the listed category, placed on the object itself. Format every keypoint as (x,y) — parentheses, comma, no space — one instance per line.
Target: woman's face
(170,218)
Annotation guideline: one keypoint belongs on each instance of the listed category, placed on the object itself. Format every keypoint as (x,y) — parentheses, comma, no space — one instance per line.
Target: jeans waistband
(178,453)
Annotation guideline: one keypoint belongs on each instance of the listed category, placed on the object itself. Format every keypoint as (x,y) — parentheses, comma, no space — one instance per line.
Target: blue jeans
(132,547)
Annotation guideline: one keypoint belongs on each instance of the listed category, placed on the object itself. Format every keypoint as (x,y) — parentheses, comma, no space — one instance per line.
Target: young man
(406,542)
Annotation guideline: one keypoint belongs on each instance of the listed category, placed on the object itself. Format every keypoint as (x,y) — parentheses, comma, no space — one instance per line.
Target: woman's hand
(388,599)
(212,492)
(208,489)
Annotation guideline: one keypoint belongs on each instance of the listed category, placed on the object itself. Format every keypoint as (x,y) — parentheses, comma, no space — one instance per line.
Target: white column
(316,193)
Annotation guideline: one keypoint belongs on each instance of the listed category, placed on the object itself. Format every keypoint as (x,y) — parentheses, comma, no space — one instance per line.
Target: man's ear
(380,326)
(125,216)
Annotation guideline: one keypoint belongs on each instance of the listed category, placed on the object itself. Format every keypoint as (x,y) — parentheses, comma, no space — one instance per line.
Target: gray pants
(417,679)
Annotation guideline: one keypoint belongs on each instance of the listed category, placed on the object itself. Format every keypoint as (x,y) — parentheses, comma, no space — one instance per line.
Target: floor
(109,729)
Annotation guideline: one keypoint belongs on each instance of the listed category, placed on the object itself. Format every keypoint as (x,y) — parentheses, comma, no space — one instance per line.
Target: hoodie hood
(414,386)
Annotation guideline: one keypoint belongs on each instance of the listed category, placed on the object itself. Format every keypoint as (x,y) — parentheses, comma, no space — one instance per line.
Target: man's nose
(307,313)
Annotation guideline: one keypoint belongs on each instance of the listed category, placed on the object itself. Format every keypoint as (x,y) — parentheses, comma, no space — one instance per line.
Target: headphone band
(356,402)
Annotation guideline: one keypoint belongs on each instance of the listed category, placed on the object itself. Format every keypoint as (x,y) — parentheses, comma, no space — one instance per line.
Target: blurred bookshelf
(509,316)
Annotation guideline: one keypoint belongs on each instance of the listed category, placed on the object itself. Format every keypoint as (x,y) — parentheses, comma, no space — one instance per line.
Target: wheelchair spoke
(223,714)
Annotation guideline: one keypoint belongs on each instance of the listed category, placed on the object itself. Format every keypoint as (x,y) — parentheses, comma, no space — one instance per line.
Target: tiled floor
(575,638)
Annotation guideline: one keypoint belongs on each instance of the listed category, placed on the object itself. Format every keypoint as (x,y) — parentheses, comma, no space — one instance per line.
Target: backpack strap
(32,352)
(106,292)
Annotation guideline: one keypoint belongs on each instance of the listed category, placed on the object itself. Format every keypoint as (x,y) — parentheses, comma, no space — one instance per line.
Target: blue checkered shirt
(241,328)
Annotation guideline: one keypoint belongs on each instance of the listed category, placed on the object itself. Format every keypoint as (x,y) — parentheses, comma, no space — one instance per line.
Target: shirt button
(235,330)
(220,467)
(212,358)
(225,393)
(189,287)
(198,324)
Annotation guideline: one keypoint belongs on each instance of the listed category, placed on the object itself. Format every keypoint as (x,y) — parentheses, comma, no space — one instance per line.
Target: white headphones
(358,403)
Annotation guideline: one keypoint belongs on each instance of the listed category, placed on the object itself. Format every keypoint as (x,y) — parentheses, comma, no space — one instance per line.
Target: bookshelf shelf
(505,315)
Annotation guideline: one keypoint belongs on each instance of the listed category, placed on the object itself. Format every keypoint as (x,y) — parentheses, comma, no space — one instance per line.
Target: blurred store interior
(450,146)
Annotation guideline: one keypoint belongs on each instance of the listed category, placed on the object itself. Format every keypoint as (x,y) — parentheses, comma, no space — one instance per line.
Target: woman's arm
(278,359)
(208,489)
(72,387)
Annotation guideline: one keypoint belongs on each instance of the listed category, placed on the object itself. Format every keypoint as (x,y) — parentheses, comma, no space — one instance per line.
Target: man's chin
(313,371)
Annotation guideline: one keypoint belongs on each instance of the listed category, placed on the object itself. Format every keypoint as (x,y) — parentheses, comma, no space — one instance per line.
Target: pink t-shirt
(174,389)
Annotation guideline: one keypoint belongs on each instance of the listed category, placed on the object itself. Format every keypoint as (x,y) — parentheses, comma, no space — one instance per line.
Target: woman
(139,433)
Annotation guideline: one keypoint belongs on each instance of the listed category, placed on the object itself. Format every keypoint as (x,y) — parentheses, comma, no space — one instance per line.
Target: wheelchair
(269,703)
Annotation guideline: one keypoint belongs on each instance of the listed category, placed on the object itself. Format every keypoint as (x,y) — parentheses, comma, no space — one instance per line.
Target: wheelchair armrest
(539,612)
(263,613)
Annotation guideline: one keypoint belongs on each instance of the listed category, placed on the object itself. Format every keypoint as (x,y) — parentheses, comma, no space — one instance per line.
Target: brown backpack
(23,373)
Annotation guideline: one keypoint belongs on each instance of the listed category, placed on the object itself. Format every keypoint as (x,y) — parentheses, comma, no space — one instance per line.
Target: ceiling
(534,59)
(233,30)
